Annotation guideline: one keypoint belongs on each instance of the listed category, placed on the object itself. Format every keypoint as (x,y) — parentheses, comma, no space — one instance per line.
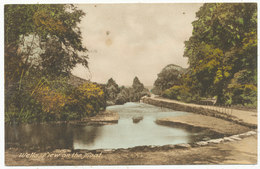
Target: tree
(168,77)
(223,43)
(46,33)
(112,89)
(42,43)
(123,96)
(137,91)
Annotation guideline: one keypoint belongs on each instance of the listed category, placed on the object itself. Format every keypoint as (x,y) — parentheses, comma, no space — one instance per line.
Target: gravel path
(245,116)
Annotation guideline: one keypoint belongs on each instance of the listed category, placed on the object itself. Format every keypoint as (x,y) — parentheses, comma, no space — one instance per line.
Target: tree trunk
(220,94)
(220,99)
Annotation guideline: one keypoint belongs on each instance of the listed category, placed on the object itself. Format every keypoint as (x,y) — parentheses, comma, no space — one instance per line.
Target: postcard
(121,84)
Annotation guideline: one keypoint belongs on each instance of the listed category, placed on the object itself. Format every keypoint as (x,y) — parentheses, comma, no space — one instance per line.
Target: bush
(20,105)
(181,93)
(245,95)
(88,99)
(41,99)
(50,100)
(168,77)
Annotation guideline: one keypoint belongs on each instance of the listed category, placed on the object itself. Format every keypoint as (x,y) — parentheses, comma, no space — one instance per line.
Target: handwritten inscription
(59,155)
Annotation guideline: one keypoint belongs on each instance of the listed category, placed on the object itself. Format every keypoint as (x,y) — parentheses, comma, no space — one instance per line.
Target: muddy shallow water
(136,127)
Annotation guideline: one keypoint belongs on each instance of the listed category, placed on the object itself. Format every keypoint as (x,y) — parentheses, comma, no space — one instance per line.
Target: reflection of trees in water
(86,135)
(43,136)
(49,136)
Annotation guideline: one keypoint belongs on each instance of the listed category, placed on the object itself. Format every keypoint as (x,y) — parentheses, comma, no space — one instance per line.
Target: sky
(128,40)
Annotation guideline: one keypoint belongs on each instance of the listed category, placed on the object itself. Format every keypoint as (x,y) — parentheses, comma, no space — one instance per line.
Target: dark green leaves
(223,43)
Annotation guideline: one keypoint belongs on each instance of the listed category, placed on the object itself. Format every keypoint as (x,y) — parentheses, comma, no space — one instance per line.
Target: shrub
(52,102)
(242,94)
(181,93)
(41,99)
(168,77)
(88,99)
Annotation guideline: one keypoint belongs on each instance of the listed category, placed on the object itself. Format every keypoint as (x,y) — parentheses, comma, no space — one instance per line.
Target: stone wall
(198,110)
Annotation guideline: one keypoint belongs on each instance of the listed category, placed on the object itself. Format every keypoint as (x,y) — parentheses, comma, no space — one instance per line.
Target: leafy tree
(112,89)
(223,43)
(52,29)
(137,85)
(137,90)
(168,77)
(42,45)
(123,96)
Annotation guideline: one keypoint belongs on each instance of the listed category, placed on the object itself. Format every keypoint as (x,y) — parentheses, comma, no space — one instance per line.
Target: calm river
(124,134)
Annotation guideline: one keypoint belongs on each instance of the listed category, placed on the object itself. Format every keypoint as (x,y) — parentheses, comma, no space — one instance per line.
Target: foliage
(239,91)
(112,89)
(137,85)
(52,30)
(49,100)
(89,99)
(121,95)
(223,43)
(26,32)
(243,94)
(169,76)
(179,92)
(42,45)
(137,91)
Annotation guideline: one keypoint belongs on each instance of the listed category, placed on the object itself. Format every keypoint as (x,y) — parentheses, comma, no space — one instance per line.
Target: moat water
(124,134)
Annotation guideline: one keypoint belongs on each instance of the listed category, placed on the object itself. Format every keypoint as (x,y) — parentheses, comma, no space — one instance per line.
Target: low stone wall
(198,110)
(102,118)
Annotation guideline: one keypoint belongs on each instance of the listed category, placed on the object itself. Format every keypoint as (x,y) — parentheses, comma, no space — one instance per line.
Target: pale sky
(128,40)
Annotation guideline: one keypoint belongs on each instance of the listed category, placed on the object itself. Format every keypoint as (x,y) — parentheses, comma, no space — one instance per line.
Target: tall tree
(223,43)
(169,76)
(46,33)
(40,41)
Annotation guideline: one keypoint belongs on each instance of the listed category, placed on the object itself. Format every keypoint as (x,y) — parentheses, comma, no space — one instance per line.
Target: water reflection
(86,135)
(125,134)
(39,136)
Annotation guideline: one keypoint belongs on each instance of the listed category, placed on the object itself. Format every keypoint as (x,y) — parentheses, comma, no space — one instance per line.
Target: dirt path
(246,116)
(241,152)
